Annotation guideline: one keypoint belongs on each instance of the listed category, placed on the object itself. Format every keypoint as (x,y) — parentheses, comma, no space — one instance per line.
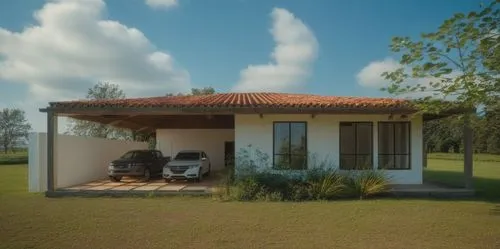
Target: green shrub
(273,182)
(366,183)
(262,186)
(246,189)
(300,192)
(325,185)
(269,196)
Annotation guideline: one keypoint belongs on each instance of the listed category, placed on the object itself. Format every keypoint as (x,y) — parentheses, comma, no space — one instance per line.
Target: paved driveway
(136,185)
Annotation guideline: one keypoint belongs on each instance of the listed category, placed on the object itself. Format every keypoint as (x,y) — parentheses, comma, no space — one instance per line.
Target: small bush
(300,192)
(366,183)
(246,189)
(261,186)
(272,182)
(269,196)
(325,185)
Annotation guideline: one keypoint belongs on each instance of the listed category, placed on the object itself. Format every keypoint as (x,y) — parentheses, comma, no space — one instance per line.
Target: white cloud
(72,47)
(292,59)
(162,4)
(371,75)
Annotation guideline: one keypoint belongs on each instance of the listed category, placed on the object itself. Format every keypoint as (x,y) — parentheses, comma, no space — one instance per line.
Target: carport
(176,127)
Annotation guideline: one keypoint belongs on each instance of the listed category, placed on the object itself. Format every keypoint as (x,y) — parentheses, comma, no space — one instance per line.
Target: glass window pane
(347,162)
(298,133)
(364,162)
(364,138)
(386,138)
(281,162)
(347,143)
(281,138)
(402,162)
(298,162)
(385,161)
(402,131)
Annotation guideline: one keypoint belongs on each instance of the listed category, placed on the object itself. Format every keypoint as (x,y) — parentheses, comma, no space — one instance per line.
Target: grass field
(460,157)
(448,169)
(33,221)
(10,158)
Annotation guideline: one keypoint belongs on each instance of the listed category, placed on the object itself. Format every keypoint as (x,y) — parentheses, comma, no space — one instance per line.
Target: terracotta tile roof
(242,100)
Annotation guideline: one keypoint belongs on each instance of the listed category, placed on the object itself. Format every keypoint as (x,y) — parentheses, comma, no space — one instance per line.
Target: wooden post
(51,133)
(468,162)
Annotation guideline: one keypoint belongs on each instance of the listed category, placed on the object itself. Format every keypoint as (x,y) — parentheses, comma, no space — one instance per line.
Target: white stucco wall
(171,141)
(323,138)
(78,159)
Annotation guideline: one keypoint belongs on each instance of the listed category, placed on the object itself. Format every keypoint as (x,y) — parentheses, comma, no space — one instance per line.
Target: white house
(351,132)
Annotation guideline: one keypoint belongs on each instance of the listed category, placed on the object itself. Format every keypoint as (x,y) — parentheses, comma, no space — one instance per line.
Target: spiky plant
(367,183)
(326,186)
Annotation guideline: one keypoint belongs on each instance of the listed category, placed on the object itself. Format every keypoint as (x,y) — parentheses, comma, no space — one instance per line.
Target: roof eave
(227,110)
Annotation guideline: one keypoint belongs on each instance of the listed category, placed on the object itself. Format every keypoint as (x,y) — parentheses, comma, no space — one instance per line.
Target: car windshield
(185,156)
(128,155)
(135,154)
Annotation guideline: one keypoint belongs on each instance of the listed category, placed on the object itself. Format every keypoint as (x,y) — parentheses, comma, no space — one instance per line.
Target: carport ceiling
(152,122)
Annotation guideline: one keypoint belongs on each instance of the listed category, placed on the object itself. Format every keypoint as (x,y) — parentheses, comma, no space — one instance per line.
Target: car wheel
(209,169)
(115,178)
(200,176)
(147,174)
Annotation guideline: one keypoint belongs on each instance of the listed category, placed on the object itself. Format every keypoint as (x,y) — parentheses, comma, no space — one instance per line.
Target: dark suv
(137,163)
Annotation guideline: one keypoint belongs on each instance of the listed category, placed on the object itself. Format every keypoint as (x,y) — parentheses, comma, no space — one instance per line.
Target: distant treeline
(446,135)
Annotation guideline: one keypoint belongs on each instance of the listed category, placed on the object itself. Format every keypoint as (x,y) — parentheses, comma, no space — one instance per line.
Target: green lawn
(33,221)
(448,169)
(459,157)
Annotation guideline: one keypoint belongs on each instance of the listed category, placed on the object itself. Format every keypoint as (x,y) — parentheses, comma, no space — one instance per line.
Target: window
(356,145)
(290,145)
(394,145)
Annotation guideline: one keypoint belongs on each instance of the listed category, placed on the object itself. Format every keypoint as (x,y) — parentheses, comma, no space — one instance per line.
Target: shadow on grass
(487,189)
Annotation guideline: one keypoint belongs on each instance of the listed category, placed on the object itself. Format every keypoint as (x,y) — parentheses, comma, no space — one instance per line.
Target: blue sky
(151,49)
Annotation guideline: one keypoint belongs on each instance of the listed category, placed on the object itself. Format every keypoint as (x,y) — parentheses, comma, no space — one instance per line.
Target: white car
(188,165)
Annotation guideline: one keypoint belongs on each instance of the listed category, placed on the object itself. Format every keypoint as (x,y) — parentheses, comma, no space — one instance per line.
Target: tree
(202,91)
(13,127)
(196,91)
(459,61)
(102,90)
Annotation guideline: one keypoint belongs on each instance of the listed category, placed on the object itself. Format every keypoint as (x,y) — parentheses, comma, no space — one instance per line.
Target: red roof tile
(249,100)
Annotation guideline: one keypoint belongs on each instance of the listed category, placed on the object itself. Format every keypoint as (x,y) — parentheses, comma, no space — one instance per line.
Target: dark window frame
(394,145)
(372,153)
(289,143)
